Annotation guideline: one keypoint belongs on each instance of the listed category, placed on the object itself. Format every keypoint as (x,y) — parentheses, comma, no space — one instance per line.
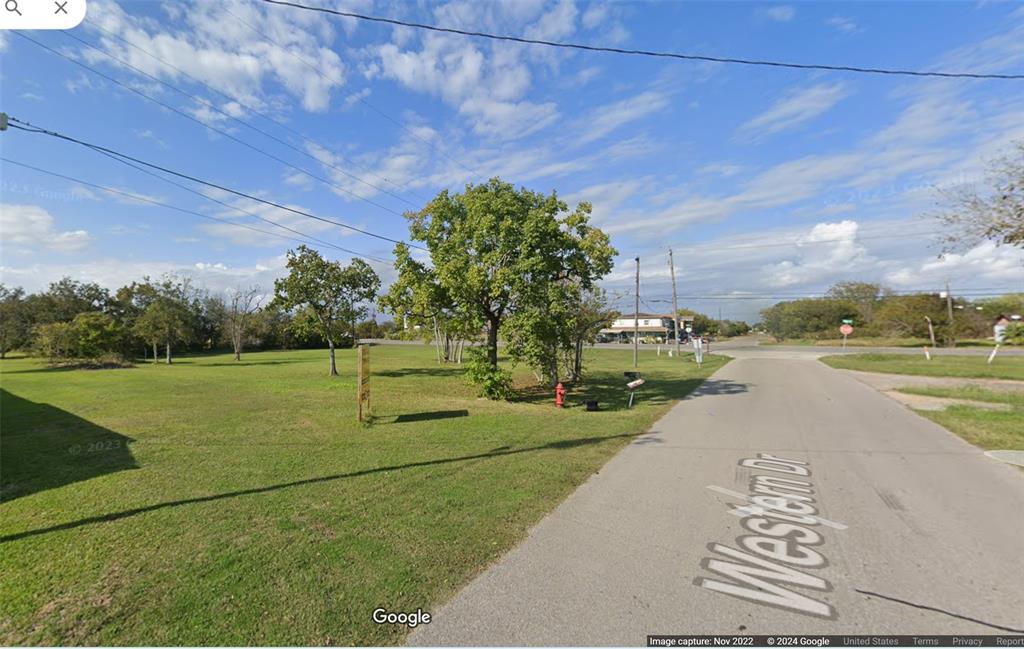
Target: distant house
(658,326)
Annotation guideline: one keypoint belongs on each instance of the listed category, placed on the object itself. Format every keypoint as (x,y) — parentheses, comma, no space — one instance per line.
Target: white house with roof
(658,326)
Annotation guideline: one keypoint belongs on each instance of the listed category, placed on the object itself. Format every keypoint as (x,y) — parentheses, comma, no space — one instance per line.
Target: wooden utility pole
(636,315)
(675,306)
(363,382)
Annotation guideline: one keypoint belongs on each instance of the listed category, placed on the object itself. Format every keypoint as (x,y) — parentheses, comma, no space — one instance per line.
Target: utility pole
(949,315)
(636,315)
(675,306)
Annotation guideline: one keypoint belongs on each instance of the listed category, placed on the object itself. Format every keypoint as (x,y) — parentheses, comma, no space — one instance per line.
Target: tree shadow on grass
(450,370)
(429,416)
(83,367)
(43,447)
(245,363)
(493,453)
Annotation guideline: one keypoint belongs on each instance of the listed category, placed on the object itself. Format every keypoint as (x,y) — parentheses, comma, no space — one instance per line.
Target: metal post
(636,316)
(675,305)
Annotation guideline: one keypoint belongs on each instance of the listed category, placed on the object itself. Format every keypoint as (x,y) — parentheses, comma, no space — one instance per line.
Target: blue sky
(766,182)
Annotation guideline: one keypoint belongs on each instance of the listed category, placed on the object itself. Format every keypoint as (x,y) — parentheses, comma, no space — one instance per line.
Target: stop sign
(846,330)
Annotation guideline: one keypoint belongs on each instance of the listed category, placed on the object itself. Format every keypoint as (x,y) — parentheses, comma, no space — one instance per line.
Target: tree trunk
(334,367)
(492,341)
(577,361)
(156,356)
(168,353)
(437,341)
(238,355)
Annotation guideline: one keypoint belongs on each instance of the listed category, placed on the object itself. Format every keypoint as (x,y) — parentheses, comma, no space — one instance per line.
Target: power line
(649,53)
(145,199)
(232,207)
(248,107)
(21,125)
(361,100)
(205,125)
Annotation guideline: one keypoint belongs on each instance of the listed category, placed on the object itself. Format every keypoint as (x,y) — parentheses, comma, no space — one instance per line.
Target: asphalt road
(902,527)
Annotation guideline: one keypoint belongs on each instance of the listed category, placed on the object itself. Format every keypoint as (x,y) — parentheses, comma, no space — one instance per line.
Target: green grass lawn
(215,502)
(987,429)
(1005,367)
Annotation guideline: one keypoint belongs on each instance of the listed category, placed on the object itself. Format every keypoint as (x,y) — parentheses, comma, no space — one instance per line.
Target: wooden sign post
(363,381)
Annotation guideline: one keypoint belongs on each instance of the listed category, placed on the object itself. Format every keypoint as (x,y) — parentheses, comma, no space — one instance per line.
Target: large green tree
(165,321)
(810,317)
(417,299)
(865,295)
(65,299)
(326,296)
(15,323)
(512,256)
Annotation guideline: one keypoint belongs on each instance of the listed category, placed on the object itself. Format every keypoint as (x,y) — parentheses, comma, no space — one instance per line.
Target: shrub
(55,341)
(91,336)
(96,335)
(493,382)
(1014,333)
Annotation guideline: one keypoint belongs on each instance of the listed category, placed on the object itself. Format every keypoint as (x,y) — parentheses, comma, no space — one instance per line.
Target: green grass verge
(215,502)
(986,429)
(869,342)
(1005,367)
(851,342)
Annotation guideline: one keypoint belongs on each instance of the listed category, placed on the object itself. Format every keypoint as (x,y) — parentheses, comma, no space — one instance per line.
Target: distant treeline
(77,321)
(878,311)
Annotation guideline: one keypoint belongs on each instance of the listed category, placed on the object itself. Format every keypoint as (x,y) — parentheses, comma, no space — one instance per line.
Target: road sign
(846,330)
(847,321)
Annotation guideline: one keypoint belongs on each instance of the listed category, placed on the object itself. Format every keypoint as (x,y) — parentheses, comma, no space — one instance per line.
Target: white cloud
(81,82)
(795,108)
(586,75)
(355,97)
(596,13)
(224,53)
(826,248)
(843,24)
(32,226)
(486,83)
(606,198)
(723,169)
(605,119)
(781,13)
(148,134)
(555,24)
(984,265)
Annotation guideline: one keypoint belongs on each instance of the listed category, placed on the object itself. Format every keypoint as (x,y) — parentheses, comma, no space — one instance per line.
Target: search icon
(12,5)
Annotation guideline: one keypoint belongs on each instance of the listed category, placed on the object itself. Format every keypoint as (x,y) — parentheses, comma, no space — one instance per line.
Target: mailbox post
(633,385)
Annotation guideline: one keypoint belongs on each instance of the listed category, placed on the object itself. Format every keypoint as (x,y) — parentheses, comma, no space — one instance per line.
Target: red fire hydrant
(559,395)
